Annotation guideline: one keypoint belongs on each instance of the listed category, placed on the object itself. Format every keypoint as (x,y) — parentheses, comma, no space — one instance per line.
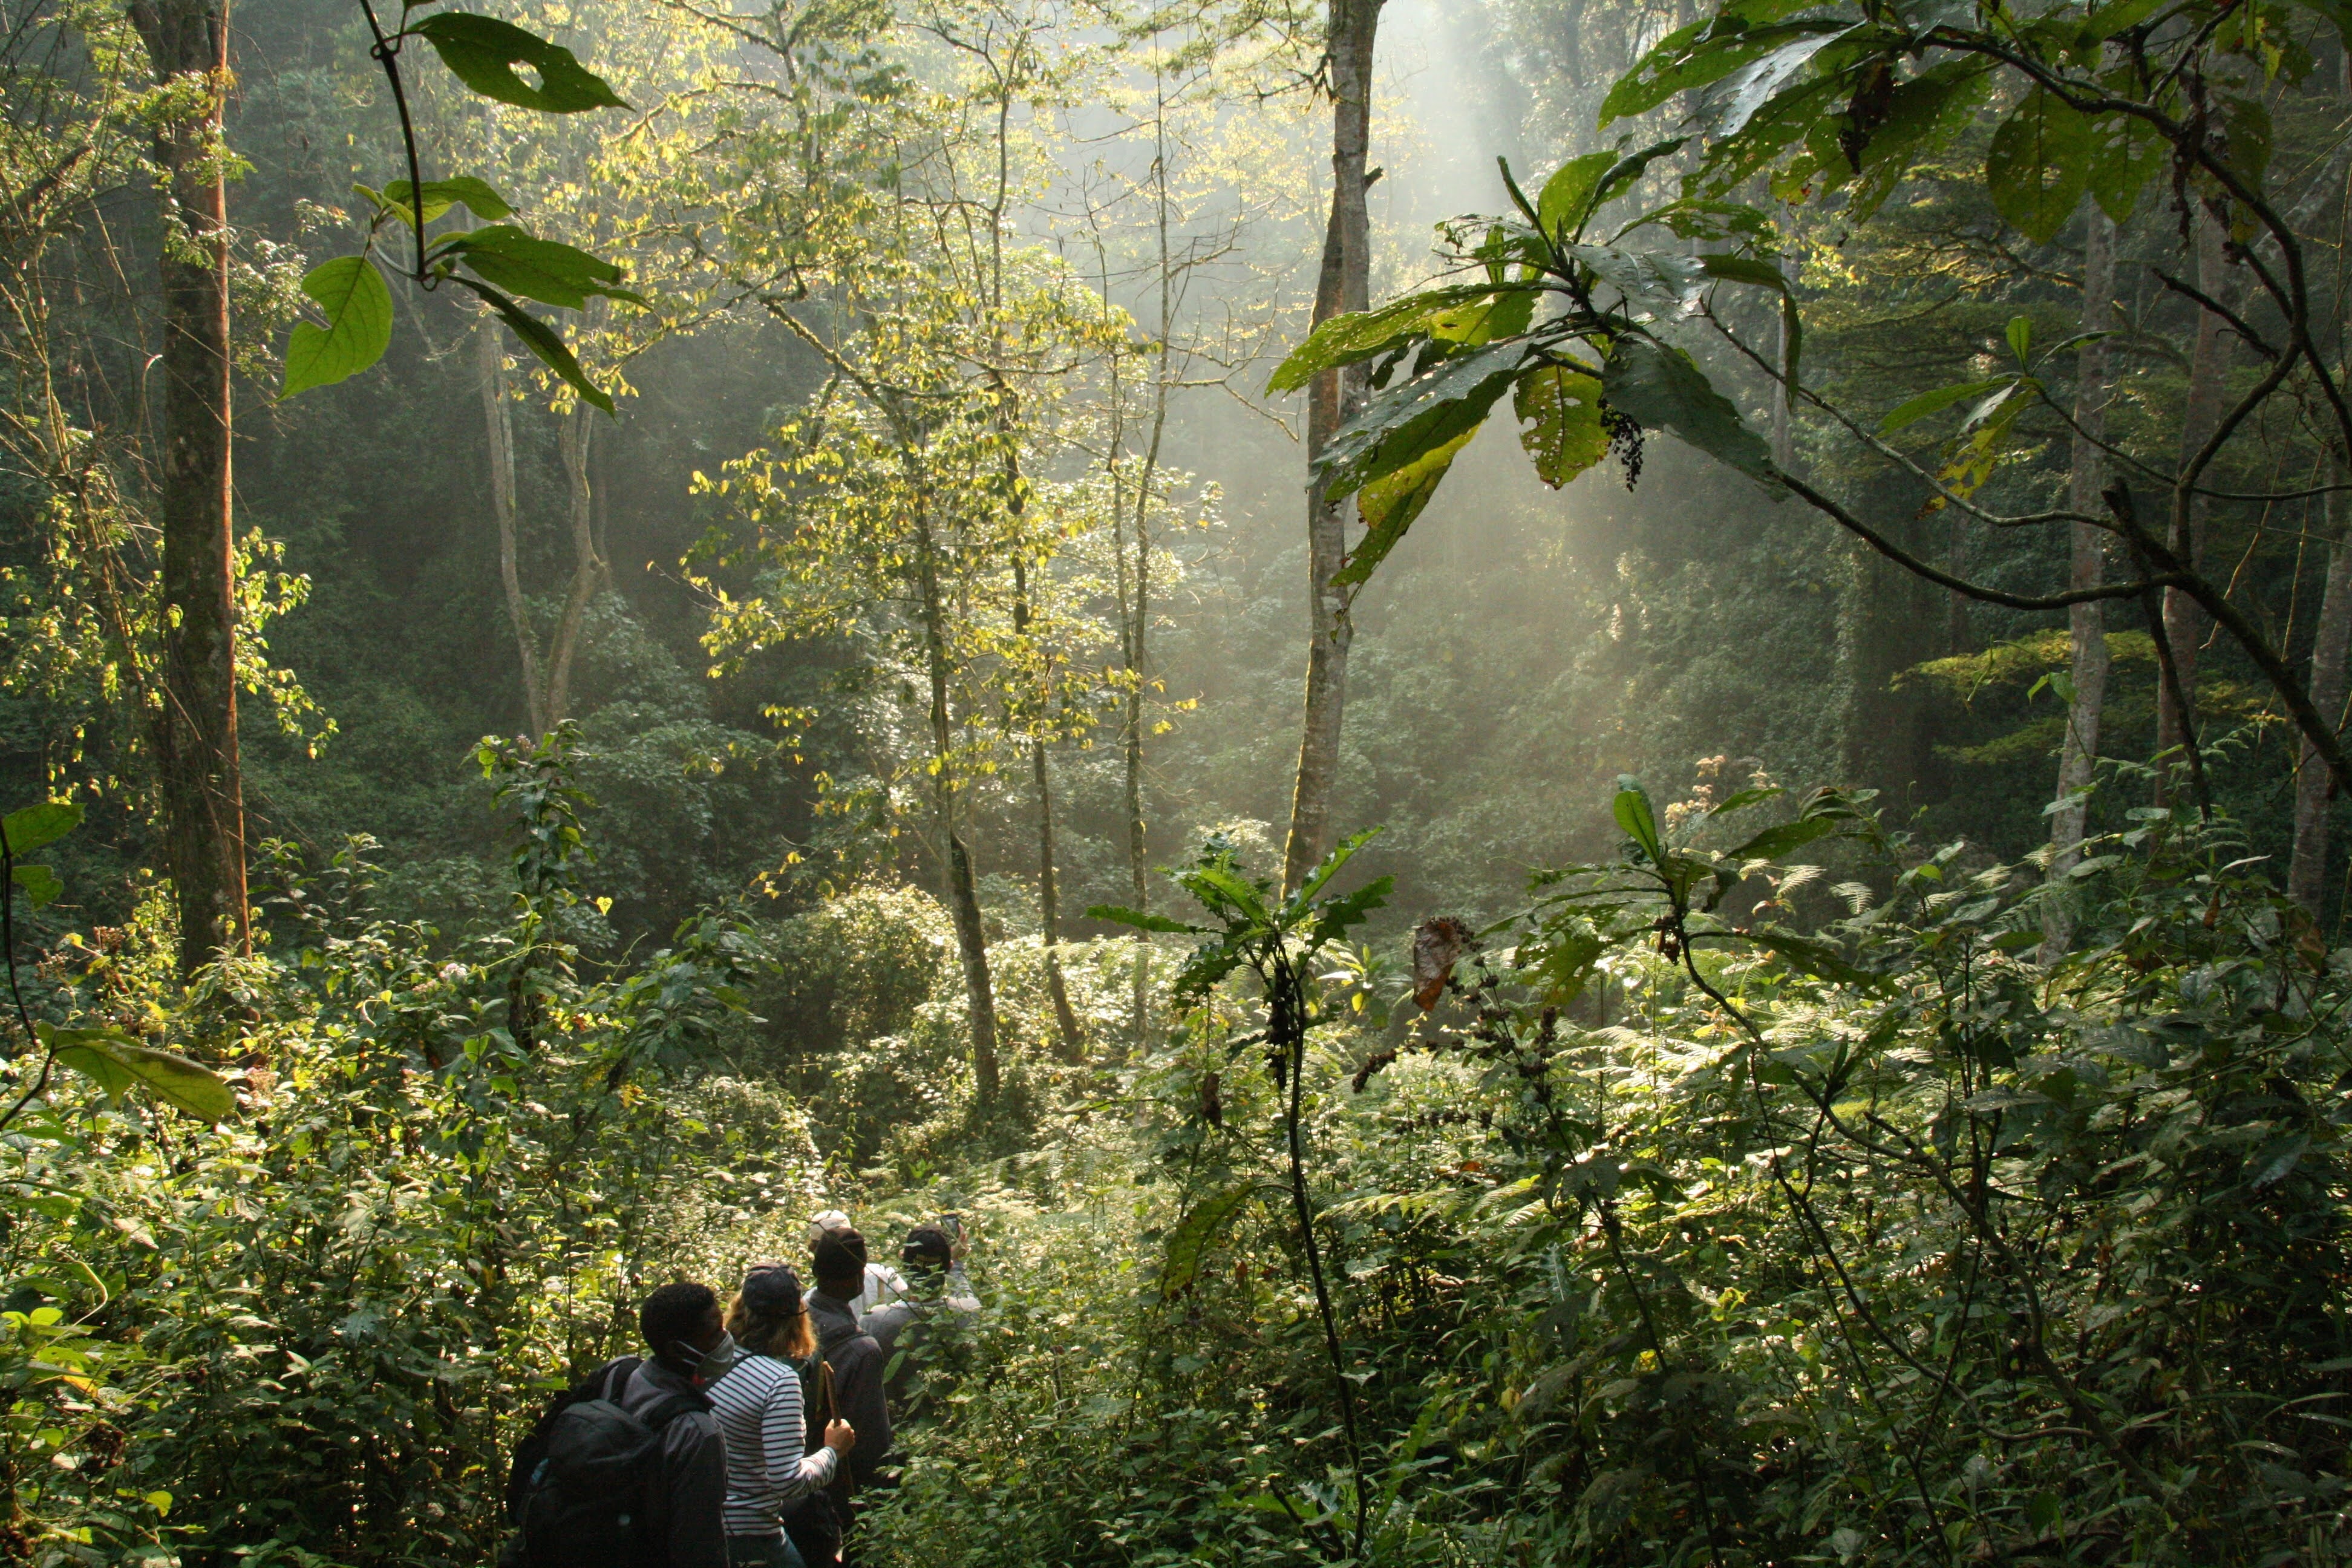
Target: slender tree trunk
(196,739)
(1049,898)
(588,574)
(1049,911)
(2078,751)
(1784,397)
(1344,284)
(963,893)
(2184,623)
(2306,876)
(498,419)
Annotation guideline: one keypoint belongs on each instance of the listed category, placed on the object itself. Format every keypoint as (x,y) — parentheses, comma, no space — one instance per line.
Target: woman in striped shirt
(757,1403)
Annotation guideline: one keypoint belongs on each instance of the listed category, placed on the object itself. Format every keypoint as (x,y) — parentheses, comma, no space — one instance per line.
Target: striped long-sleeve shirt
(758,1408)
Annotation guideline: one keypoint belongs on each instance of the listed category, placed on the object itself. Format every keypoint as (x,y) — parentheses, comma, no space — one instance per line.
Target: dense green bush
(1885,1244)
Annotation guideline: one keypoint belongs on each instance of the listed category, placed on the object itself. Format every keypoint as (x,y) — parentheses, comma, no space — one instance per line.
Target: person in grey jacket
(839,1260)
(689,1350)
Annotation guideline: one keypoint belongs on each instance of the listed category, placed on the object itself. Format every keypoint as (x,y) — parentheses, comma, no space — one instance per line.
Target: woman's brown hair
(767,1320)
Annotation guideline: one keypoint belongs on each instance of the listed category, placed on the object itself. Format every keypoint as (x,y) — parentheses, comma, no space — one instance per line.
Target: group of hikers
(743,1437)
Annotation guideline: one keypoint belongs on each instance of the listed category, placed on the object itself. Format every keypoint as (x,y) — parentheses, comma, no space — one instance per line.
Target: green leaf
(1327,869)
(37,826)
(546,270)
(1928,403)
(2125,153)
(1559,418)
(1734,100)
(116,1063)
(1217,885)
(542,340)
(1631,810)
(1425,413)
(1657,385)
(1566,200)
(440,195)
(2039,166)
(1665,278)
(40,884)
(482,52)
(1189,1243)
(1121,915)
(1350,909)
(359,325)
(1363,335)
(2020,334)
(1697,56)
(1388,507)
(1628,169)
(1817,959)
(2246,124)
(1775,842)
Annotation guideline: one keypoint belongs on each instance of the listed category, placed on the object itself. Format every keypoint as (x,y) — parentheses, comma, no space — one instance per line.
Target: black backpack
(585,1490)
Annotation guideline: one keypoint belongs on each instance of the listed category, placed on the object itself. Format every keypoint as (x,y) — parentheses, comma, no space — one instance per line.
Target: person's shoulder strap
(613,1381)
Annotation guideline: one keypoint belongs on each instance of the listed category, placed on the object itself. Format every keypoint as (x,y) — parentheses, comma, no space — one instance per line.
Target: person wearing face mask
(629,1468)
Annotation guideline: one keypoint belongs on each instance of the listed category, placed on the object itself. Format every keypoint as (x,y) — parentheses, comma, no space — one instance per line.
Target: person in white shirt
(761,1416)
(884,1284)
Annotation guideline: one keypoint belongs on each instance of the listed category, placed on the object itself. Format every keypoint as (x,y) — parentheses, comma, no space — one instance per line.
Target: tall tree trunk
(588,574)
(1049,898)
(499,419)
(1049,913)
(2306,876)
(963,893)
(196,739)
(2184,623)
(1344,284)
(2078,751)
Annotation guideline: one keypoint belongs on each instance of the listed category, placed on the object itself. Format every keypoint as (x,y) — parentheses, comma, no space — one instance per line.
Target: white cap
(831,1219)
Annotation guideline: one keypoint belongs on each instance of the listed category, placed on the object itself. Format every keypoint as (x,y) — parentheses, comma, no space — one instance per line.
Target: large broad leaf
(1733,101)
(116,1063)
(2039,166)
(359,325)
(475,195)
(1189,1243)
(37,826)
(1388,507)
(40,884)
(1665,279)
(1656,385)
(544,270)
(542,341)
(1697,56)
(1815,957)
(2125,153)
(1428,412)
(1631,810)
(482,52)
(1775,842)
(1560,421)
(1566,197)
(1362,334)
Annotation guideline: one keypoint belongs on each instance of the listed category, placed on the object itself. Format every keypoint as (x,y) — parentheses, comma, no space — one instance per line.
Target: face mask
(714,1364)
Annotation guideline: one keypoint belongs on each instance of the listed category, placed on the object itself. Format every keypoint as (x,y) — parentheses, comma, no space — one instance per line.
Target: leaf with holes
(1559,420)
(482,52)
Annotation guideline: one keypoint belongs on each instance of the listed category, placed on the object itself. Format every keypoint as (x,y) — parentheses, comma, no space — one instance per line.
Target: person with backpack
(849,1376)
(759,1409)
(918,1334)
(628,1470)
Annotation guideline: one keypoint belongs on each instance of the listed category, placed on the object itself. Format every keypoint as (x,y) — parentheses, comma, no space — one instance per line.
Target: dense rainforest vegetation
(1576,760)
